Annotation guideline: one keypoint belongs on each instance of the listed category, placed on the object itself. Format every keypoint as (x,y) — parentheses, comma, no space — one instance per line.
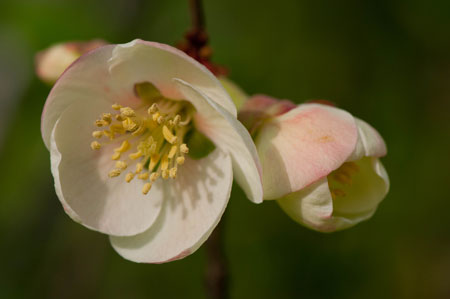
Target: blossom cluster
(145,143)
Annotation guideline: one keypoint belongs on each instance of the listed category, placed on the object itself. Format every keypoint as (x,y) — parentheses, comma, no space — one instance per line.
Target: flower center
(151,138)
(341,179)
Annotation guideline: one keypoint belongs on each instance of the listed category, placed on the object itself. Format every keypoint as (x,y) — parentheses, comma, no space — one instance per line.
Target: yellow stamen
(139,167)
(121,165)
(127,111)
(153,161)
(168,135)
(337,192)
(114,173)
(129,177)
(184,149)
(154,176)
(123,147)
(107,117)
(143,176)
(146,188)
(101,123)
(116,106)
(153,108)
(173,172)
(115,156)
(165,174)
(135,155)
(173,151)
(129,125)
(180,160)
(164,162)
(95,145)
(97,134)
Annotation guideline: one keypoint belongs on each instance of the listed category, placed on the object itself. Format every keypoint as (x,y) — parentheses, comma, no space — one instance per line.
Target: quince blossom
(120,123)
(319,162)
(51,62)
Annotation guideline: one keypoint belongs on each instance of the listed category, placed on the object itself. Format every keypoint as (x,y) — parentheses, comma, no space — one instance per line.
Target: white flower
(319,162)
(131,177)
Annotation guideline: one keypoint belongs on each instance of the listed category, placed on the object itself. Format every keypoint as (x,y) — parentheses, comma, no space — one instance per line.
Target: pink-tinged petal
(303,146)
(86,81)
(140,61)
(192,208)
(108,205)
(230,135)
(311,206)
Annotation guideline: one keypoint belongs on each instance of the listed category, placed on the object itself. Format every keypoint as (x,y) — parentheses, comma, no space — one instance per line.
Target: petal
(303,146)
(192,208)
(368,187)
(314,207)
(140,61)
(370,143)
(86,80)
(229,134)
(108,205)
(311,206)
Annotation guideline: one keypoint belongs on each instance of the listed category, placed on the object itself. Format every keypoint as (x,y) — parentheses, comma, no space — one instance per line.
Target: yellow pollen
(143,176)
(173,151)
(95,145)
(146,188)
(129,125)
(101,123)
(123,147)
(155,116)
(164,162)
(135,155)
(165,174)
(114,173)
(173,172)
(176,120)
(97,134)
(154,176)
(107,117)
(109,134)
(184,149)
(127,111)
(168,135)
(119,117)
(121,165)
(129,177)
(116,106)
(160,120)
(180,160)
(115,156)
(153,108)
(139,167)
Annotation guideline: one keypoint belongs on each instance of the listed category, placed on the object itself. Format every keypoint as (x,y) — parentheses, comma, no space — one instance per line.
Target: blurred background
(385,61)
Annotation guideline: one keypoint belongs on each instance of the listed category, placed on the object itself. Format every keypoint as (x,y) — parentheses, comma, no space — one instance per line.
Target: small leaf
(199,145)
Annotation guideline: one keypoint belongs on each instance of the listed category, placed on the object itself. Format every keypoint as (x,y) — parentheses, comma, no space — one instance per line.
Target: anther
(343,178)
(173,172)
(123,147)
(155,116)
(97,134)
(135,155)
(143,176)
(165,174)
(184,149)
(180,160)
(153,161)
(107,117)
(168,135)
(129,124)
(164,162)
(153,108)
(129,177)
(114,173)
(121,165)
(95,145)
(127,111)
(173,151)
(101,123)
(146,188)
(176,120)
(115,156)
(154,176)
(116,106)
(139,167)
(337,192)
(160,120)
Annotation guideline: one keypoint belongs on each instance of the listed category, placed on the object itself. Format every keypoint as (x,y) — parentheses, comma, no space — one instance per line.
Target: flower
(121,124)
(51,62)
(319,162)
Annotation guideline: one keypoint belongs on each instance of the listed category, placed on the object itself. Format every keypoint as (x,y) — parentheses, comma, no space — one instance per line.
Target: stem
(216,265)
(197,15)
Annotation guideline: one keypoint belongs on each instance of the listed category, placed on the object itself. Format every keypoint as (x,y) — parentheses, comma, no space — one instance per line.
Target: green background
(385,61)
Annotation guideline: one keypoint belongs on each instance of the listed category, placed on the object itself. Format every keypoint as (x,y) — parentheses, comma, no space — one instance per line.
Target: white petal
(192,208)
(110,206)
(236,93)
(302,146)
(230,135)
(140,61)
(86,80)
(370,143)
(369,186)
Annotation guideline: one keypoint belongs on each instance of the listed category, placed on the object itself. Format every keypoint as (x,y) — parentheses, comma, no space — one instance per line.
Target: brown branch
(216,268)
